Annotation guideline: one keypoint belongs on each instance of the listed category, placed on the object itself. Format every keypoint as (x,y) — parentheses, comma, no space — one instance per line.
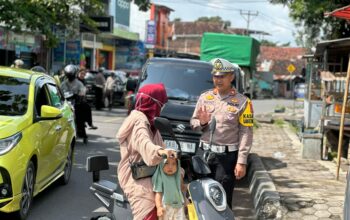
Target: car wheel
(27,191)
(68,168)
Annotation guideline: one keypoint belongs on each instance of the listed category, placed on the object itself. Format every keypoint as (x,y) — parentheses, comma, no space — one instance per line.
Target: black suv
(184,81)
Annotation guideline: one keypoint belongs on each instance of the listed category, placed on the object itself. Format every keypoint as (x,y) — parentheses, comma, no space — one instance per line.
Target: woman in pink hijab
(140,140)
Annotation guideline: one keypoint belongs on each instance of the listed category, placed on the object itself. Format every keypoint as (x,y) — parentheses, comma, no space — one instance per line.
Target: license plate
(187,147)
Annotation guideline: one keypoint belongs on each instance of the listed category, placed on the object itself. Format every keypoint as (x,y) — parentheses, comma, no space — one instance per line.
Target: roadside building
(281,68)
(24,45)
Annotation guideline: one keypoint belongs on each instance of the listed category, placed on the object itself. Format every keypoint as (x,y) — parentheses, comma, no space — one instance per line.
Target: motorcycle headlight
(215,193)
(7,144)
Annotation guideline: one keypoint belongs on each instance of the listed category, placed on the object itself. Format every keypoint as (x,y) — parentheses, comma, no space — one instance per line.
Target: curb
(266,199)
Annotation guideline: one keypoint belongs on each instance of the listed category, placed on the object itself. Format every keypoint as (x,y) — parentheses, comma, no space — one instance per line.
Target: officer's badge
(218,65)
(209,97)
(246,119)
(231,109)
(234,100)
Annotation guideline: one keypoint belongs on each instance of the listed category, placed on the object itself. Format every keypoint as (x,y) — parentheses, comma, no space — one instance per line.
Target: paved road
(263,106)
(74,201)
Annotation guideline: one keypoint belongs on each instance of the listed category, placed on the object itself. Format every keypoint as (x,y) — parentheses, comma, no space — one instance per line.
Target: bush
(279,122)
(280,108)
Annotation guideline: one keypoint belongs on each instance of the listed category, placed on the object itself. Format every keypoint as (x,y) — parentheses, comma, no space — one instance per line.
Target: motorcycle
(207,198)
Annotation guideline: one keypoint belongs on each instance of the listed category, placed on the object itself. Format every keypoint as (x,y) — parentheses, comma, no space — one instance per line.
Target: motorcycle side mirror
(163,124)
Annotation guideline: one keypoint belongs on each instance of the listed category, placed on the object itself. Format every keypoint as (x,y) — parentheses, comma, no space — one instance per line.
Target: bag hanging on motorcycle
(140,170)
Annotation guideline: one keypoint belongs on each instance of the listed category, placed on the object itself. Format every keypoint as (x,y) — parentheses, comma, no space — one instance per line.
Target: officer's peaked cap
(221,66)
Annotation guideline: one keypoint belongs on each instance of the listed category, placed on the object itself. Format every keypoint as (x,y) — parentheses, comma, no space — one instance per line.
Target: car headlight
(215,193)
(7,144)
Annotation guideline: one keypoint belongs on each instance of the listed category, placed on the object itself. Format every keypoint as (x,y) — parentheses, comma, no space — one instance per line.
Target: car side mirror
(50,113)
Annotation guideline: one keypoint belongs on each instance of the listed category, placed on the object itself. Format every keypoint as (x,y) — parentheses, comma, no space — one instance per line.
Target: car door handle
(58,127)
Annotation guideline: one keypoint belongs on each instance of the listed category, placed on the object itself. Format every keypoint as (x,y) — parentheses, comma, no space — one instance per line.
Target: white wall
(138,21)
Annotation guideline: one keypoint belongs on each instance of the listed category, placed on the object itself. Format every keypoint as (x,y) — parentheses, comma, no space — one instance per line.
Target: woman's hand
(169,153)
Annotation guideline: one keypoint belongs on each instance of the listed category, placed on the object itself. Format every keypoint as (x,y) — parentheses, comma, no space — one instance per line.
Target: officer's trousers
(222,170)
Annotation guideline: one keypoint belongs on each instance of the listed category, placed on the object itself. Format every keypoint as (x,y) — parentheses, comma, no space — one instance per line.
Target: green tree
(42,16)
(309,16)
(143,5)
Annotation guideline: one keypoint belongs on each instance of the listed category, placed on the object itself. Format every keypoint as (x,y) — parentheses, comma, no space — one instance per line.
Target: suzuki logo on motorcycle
(180,128)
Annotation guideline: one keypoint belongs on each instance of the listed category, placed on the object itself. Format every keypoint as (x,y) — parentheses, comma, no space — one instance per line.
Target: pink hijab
(150,100)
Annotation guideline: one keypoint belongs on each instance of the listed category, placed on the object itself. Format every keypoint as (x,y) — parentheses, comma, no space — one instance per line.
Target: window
(41,99)
(182,80)
(55,96)
(13,95)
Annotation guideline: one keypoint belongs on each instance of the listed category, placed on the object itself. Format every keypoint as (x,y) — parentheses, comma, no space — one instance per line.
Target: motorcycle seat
(110,188)
(105,186)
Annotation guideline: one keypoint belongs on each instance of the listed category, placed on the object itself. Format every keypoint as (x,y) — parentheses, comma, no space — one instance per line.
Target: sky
(272,19)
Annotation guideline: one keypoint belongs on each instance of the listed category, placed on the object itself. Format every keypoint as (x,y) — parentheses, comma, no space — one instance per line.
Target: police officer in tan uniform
(233,136)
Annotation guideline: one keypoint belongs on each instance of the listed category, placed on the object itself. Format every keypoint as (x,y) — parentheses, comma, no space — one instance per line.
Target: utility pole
(249,13)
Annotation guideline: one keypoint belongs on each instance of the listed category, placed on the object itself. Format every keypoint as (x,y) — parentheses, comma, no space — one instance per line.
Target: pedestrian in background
(109,89)
(100,82)
(81,75)
(18,63)
(233,136)
(87,113)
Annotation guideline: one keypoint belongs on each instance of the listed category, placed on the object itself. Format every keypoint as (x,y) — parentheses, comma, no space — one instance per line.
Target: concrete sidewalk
(284,185)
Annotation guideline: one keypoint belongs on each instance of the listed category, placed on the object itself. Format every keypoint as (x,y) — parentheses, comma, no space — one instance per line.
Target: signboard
(73,52)
(58,52)
(122,12)
(291,68)
(104,23)
(151,32)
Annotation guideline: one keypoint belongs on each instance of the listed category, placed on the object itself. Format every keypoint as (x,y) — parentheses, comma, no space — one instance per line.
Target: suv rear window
(182,80)
(13,95)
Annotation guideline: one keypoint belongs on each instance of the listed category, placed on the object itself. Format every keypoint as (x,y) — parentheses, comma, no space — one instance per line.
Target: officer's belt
(219,148)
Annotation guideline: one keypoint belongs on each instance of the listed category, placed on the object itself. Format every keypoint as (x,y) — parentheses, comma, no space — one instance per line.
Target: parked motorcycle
(207,198)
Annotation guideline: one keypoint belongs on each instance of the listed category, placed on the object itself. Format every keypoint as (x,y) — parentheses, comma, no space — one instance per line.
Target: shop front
(25,46)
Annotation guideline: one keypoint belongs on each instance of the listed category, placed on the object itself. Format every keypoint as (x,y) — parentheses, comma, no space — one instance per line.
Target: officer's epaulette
(239,100)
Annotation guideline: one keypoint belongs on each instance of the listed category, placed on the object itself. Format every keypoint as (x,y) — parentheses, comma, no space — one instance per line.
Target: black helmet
(70,71)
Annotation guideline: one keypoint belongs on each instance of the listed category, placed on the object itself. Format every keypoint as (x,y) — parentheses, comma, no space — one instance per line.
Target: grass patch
(280,108)
(256,124)
(294,128)
(279,122)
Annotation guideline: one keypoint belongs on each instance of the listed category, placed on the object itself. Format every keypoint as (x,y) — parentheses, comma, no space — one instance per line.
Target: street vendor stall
(326,88)
(343,13)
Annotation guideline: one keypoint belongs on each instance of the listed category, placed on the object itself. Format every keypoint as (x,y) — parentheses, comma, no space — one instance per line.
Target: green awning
(118,32)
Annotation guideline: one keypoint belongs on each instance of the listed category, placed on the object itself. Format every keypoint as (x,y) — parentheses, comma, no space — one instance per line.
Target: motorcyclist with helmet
(74,90)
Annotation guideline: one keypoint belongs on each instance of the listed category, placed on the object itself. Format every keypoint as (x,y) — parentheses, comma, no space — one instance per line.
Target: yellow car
(37,137)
